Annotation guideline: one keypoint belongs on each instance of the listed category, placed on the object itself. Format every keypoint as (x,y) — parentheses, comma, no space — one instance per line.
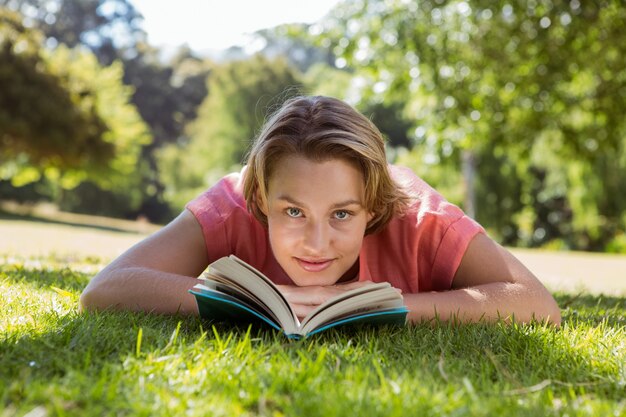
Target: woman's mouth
(314,265)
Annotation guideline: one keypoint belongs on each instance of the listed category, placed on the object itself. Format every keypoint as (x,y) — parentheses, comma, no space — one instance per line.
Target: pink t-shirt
(417,252)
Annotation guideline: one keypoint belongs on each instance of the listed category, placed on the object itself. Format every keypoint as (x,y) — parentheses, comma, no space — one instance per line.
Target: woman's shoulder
(424,197)
(428,208)
(227,225)
(221,199)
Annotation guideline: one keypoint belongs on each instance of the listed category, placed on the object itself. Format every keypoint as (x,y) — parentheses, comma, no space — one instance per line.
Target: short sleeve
(225,221)
(451,249)
(207,211)
(227,225)
(421,249)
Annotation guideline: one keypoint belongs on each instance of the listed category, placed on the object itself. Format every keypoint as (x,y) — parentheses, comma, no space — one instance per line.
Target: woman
(319,211)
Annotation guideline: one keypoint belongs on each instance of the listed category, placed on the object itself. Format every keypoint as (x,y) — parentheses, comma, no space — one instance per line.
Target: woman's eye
(294,212)
(341,214)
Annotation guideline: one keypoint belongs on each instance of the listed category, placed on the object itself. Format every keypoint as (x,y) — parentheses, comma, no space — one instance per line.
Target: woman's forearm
(140,289)
(488,302)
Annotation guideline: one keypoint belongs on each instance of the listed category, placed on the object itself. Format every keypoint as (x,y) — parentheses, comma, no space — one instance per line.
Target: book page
(340,297)
(264,278)
(234,269)
(227,286)
(375,299)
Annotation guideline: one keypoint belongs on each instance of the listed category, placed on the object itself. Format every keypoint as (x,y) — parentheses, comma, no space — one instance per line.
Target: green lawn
(54,361)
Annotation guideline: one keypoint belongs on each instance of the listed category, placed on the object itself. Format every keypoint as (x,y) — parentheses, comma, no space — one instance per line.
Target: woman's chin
(313,281)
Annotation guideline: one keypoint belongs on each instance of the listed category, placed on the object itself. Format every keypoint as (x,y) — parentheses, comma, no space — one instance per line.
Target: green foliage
(322,79)
(63,115)
(242,93)
(56,360)
(102,89)
(109,28)
(287,40)
(617,245)
(434,171)
(390,120)
(509,81)
(165,94)
(38,116)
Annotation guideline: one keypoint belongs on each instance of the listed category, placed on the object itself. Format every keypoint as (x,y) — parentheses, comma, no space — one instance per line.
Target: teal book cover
(220,307)
(233,291)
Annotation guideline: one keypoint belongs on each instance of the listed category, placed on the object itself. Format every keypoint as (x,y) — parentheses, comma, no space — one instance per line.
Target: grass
(55,361)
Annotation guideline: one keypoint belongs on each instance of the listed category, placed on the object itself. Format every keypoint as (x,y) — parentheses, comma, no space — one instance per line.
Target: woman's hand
(303,300)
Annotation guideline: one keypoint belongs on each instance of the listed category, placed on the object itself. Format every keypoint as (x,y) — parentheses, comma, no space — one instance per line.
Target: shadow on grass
(44,277)
(83,225)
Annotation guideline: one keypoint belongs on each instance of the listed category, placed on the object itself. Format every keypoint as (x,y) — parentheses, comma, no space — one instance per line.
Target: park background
(512,109)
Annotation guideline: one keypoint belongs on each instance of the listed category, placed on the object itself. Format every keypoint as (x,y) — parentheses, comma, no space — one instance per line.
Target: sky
(206,25)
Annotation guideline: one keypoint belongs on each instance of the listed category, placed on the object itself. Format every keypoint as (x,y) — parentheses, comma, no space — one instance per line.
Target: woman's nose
(317,237)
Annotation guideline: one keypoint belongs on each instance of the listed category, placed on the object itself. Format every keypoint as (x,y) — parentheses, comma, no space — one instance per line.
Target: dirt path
(562,271)
(40,239)
(577,271)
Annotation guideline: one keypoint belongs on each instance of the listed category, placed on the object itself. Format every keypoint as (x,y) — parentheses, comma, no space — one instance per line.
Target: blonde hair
(322,128)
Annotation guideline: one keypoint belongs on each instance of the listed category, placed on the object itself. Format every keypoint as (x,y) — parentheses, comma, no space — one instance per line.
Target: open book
(232,290)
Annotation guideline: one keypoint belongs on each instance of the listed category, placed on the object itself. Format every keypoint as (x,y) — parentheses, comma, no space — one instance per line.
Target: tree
(67,120)
(241,93)
(166,94)
(511,85)
(61,114)
(121,179)
(288,41)
(111,29)
(38,117)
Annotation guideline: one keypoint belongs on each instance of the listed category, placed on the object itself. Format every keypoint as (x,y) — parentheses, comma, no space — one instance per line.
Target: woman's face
(316,218)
